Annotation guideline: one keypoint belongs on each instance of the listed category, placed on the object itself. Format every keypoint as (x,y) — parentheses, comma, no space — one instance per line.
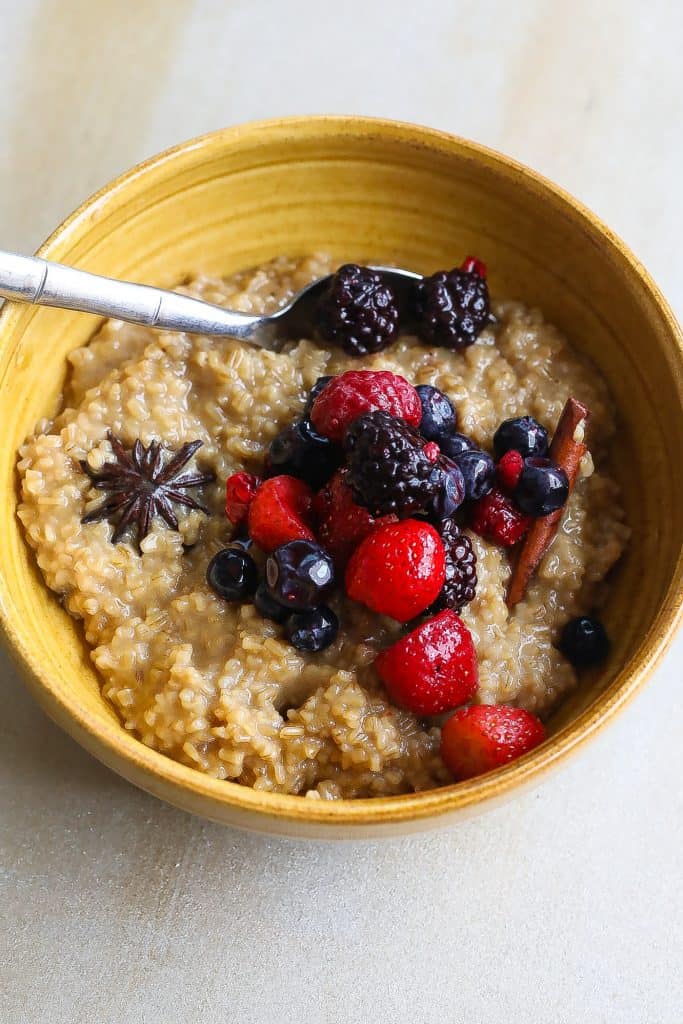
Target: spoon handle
(40,282)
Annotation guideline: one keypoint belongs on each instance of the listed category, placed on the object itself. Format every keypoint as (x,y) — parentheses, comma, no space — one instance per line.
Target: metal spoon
(40,282)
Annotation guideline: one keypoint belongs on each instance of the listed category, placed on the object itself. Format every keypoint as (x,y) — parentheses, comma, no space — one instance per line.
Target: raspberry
(460,584)
(388,467)
(478,739)
(471,265)
(398,570)
(498,519)
(281,511)
(319,386)
(240,489)
(433,669)
(432,451)
(358,311)
(509,470)
(342,524)
(452,308)
(355,392)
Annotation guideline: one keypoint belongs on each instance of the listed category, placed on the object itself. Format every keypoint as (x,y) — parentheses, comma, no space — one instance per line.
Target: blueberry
(299,574)
(584,642)
(542,487)
(232,574)
(456,444)
(479,472)
(524,434)
(438,415)
(451,495)
(268,607)
(300,451)
(319,386)
(312,630)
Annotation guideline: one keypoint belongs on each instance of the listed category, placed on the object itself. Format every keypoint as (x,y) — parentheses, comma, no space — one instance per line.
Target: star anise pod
(141,485)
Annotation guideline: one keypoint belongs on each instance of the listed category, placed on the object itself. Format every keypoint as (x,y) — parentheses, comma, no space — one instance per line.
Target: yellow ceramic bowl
(360,189)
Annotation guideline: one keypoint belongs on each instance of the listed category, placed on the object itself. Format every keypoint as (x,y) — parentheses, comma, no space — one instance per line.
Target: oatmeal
(214,684)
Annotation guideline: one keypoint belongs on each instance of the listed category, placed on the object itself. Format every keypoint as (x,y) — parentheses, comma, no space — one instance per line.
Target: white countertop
(566,904)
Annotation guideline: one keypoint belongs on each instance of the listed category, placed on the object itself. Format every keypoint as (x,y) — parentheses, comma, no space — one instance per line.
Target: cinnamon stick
(567,450)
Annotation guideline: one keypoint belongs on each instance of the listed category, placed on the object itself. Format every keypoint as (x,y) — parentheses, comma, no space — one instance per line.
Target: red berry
(398,570)
(471,265)
(355,392)
(431,450)
(282,510)
(240,489)
(342,524)
(509,470)
(498,519)
(432,669)
(480,738)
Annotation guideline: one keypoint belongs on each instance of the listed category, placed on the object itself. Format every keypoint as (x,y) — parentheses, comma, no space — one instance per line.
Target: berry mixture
(343,639)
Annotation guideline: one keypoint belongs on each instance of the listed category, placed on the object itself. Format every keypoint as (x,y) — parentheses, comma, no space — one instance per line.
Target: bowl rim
(107,739)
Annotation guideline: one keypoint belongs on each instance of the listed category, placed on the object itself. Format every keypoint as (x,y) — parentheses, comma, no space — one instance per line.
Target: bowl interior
(364,191)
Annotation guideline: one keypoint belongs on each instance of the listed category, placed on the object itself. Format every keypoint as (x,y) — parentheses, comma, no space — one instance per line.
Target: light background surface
(563,906)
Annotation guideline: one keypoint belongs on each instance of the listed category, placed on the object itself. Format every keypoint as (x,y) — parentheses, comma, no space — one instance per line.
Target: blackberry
(452,308)
(358,311)
(388,470)
(460,585)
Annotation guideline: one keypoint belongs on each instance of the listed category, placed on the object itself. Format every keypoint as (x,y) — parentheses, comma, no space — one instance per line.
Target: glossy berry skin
(312,630)
(433,669)
(358,311)
(438,415)
(584,642)
(281,511)
(479,473)
(319,386)
(496,518)
(232,574)
(509,470)
(268,607)
(398,570)
(356,392)
(299,574)
(481,738)
(542,487)
(452,308)
(240,489)
(342,523)
(455,445)
(300,451)
(523,433)
(389,466)
(451,493)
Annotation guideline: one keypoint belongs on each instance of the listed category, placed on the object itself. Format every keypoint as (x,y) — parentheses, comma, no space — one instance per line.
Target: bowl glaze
(366,190)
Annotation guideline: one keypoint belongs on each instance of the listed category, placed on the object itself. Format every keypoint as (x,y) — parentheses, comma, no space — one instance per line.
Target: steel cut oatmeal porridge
(214,683)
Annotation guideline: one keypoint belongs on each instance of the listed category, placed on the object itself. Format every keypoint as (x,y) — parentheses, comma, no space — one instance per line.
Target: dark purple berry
(299,574)
(388,470)
(317,388)
(524,434)
(232,574)
(456,444)
(438,415)
(451,494)
(358,311)
(312,630)
(479,472)
(268,607)
(542,487)
(300,451)
(452,308)
(460,584)
(584,642)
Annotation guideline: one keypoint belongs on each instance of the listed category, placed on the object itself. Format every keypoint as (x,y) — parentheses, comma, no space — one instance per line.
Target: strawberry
(483,737)
(498,519)
(282,510)
(471,265)
(509,470)
(356,392)
(398,570)
(433,668)
(342,524)
(240,489)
